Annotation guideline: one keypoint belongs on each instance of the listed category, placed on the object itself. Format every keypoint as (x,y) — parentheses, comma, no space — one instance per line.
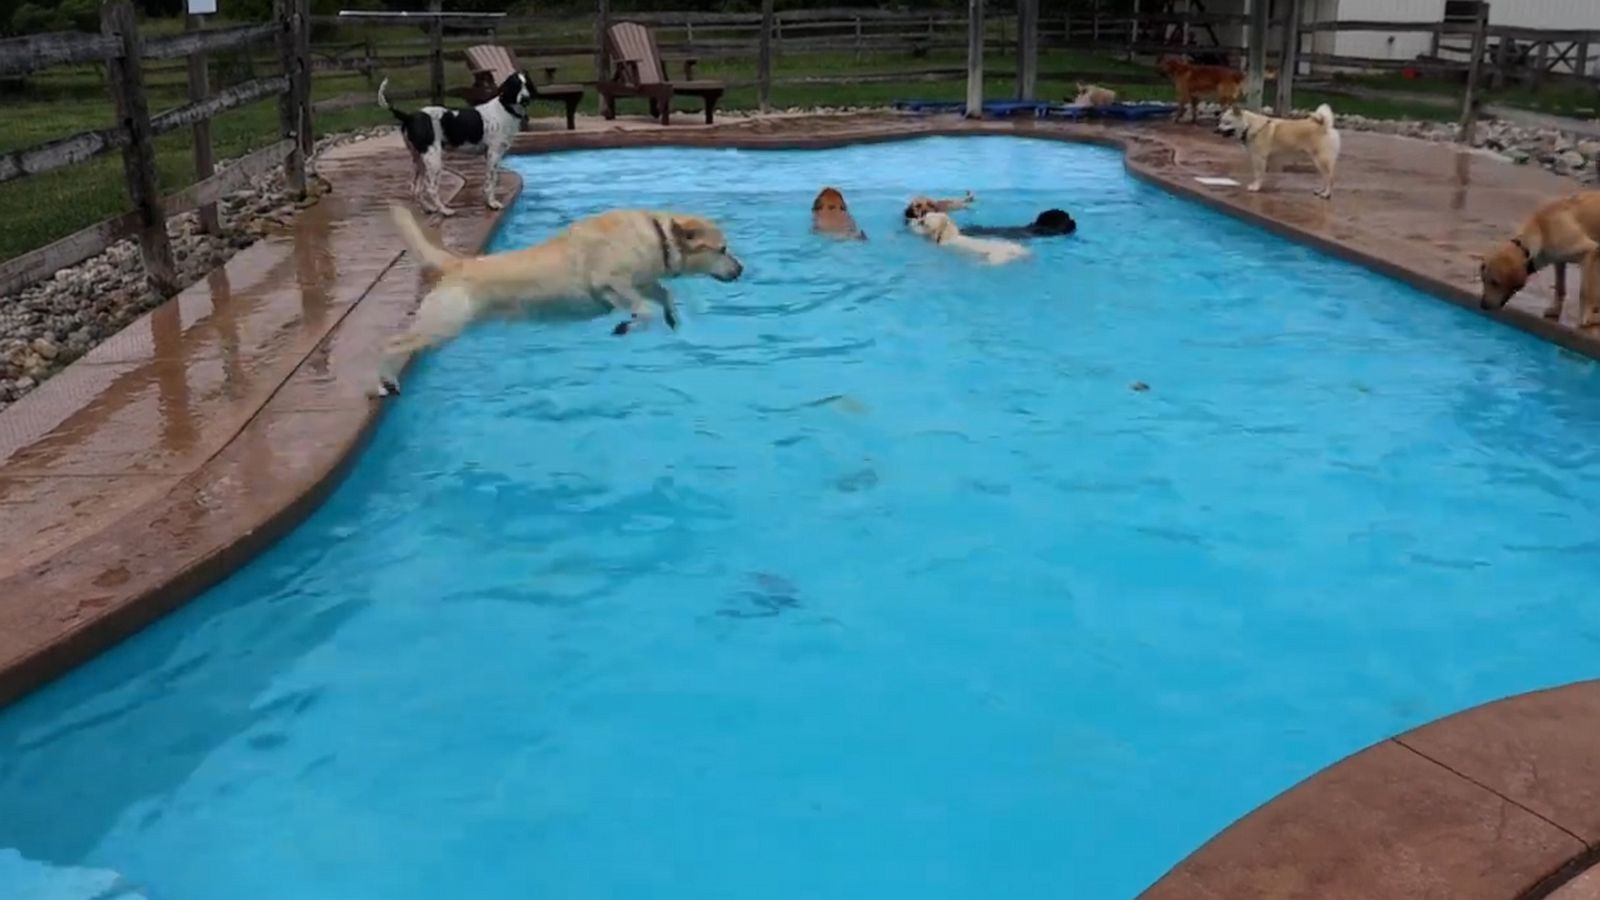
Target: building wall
(1574,14)
(1387,45)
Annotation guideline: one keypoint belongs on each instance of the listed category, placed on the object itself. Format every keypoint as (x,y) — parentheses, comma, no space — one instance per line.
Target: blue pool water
(876,581)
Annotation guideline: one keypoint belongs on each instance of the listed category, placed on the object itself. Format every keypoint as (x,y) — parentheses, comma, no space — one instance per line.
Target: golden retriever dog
(614,261)
(921,206)
(1094,96)
(830,216)
(1265,137)
(1195,83)
(938,227)
(1560,232)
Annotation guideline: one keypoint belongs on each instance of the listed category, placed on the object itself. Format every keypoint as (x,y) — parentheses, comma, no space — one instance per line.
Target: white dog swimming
(939,227)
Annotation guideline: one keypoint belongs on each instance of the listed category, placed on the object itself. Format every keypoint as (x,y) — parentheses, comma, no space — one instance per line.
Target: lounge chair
(491,65)
(638,70)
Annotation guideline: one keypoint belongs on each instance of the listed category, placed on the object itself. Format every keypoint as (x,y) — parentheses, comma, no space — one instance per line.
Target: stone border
(1496,802)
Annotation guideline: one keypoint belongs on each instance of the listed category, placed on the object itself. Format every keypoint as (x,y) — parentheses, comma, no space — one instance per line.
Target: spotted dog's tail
(383,101)
(430,255)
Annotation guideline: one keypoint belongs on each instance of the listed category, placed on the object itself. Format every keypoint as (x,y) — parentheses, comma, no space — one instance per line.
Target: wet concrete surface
(180,448)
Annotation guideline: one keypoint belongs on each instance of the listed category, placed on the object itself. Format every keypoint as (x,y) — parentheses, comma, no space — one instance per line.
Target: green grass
(57,103)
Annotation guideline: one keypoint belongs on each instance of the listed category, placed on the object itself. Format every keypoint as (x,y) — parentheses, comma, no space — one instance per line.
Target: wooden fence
(123,51)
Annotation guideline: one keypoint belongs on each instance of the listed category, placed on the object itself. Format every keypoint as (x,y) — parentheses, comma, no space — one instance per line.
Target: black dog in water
(1050,223)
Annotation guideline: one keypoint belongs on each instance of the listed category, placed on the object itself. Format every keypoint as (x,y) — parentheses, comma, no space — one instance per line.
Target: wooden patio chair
(492,64)
(638,70)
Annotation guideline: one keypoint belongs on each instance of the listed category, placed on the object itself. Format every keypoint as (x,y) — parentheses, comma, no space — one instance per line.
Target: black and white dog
(486,128)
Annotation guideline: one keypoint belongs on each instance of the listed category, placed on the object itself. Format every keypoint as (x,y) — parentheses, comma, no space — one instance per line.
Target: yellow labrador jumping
(612,261)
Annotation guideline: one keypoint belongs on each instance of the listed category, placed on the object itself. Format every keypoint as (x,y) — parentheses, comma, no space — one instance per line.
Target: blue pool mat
(996,108)
(1128,112)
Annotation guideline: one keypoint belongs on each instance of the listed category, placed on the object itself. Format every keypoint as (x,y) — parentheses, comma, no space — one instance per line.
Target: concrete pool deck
(177,450)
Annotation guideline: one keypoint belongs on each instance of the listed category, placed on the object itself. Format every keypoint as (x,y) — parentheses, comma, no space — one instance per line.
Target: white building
(1399,46)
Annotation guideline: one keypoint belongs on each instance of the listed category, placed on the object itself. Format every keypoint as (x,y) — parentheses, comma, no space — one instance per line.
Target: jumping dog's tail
(383,101)
(431,256)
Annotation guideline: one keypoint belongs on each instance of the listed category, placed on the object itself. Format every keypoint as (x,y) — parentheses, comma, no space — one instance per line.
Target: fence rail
(123,52)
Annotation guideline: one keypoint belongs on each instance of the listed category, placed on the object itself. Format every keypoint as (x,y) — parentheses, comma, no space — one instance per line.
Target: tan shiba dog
(1094,96)
(1560,232)
(1265,137)
(614,261)
(942,231)
(830,216)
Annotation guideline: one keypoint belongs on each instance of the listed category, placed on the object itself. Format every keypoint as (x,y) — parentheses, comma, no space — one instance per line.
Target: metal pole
(764,59)
(1257,43)
(1289,64)
(974,59)
(1027,49)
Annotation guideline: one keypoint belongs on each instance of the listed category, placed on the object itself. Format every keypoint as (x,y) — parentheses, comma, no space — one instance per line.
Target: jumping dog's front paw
(495,204)
(388,387)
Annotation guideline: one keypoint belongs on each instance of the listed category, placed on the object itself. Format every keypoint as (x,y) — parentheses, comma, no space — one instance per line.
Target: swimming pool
(876,580)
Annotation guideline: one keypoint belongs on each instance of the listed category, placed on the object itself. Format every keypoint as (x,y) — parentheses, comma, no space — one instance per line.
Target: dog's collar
(666,244)
(1531,264)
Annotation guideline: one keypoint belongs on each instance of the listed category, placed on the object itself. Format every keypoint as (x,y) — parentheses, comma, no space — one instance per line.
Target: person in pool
(1050,223)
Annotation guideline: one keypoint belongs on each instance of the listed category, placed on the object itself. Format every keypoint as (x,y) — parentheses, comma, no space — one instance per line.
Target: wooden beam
(58,153)
(199,91)
(1469,97)
(1027,49)
(975,59)
(207,41)
(1256,41)
(285,15)
(226,99)
(19,56)
(125,77)
(436,53)
(1289,61)
(300,81)
(764,57)
(602,61)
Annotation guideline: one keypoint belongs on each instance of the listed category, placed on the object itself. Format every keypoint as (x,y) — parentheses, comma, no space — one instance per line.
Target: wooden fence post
(300,82)
(858,39)
(1541,63)
(764,58)
(1257,45)
(199,89)
(1133,30)
(436,53)
(367,64)
(1027,49)
(1289,61)
(602,63)
(125,75)
(289,115)
(974,59)
(1469,99)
